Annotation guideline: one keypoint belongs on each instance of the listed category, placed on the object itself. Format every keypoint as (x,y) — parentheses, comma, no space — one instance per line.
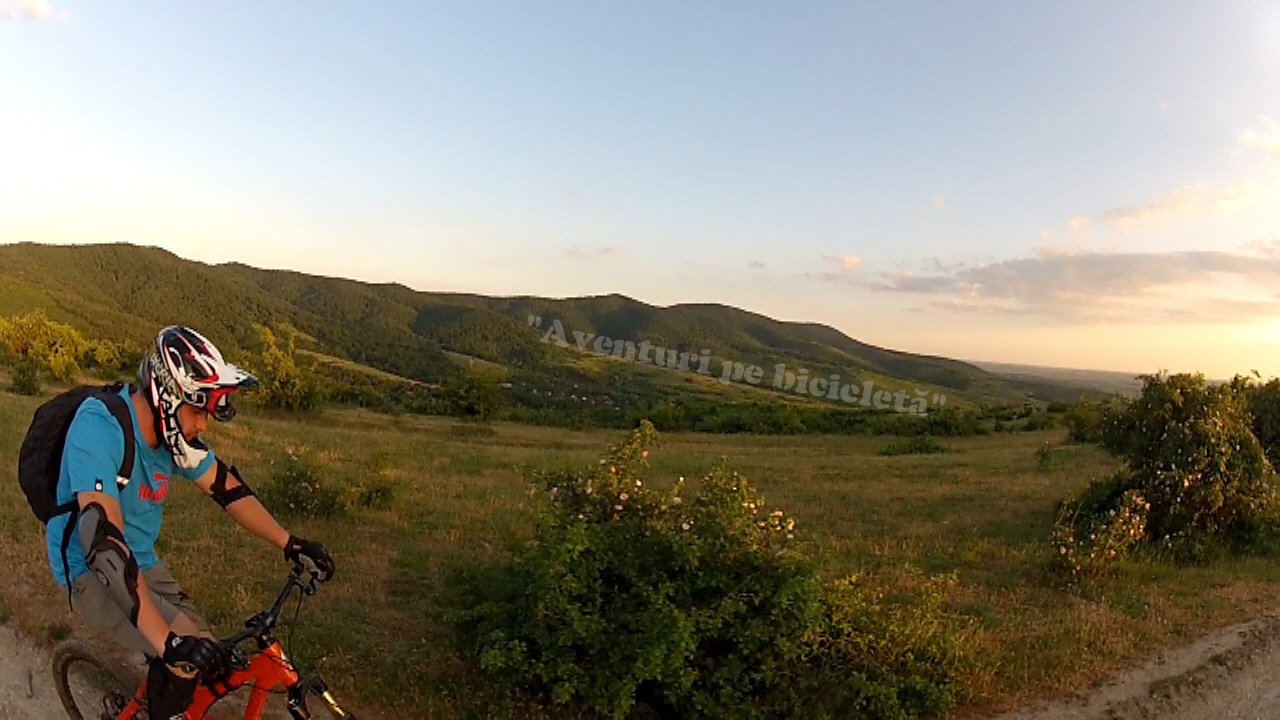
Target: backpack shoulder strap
(120,411)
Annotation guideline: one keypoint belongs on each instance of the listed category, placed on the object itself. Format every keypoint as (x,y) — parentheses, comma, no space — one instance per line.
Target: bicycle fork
(314,686)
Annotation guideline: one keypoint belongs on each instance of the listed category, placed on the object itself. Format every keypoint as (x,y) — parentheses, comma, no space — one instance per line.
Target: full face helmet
(184,367)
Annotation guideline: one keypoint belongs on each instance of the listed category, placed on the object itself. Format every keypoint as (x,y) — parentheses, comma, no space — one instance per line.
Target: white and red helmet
(184,367)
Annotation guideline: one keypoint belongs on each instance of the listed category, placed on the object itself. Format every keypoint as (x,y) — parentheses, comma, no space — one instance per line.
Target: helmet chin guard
(184,367)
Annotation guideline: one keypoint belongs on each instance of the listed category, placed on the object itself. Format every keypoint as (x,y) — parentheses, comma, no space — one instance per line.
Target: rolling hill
(125,292)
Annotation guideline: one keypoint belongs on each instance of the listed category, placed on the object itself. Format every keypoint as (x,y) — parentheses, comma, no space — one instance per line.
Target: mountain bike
(94,687)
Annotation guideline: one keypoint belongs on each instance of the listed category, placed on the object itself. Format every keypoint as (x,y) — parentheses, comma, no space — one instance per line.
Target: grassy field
(982,510)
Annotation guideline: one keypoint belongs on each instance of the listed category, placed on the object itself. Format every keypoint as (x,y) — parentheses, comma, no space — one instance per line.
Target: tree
(284,385)
(33,339)
(475,395)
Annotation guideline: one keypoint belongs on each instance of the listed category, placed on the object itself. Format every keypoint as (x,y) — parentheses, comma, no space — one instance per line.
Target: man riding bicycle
(108,560)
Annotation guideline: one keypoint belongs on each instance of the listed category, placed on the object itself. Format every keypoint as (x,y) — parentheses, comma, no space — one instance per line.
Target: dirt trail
(1232,674)
(26,685)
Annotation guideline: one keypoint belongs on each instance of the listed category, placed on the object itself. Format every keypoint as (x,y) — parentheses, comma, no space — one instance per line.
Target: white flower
(617,507)
(623,497)
(684,526)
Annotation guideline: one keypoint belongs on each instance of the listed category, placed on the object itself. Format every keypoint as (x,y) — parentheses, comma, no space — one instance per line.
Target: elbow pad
(219,491)
(108,556)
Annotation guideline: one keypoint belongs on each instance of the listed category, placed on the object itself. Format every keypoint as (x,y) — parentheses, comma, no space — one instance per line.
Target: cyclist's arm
(93,451)
(150,622)
(244,508)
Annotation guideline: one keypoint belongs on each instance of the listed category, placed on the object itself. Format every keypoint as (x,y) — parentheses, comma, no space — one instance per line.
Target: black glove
(311,555)
(192,654)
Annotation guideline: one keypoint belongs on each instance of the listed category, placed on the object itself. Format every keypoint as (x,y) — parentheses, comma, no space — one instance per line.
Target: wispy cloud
(579,253)
(847,263)
(1265,138)
(939,202)
(1183,202)
(845,275)
(1189,201)
(756,264)
(1263,248)
(35,10)
(1121,287)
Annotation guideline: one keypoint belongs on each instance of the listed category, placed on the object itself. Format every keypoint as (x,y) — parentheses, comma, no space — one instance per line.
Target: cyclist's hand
(311,555)
(194,655)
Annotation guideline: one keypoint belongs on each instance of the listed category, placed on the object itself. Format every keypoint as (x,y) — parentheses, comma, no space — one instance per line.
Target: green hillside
(126,292)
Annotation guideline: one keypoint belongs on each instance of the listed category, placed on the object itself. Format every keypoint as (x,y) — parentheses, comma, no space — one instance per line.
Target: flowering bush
(1264,408)
(295,489)
(1195,467)
(1098,528)
(696,602)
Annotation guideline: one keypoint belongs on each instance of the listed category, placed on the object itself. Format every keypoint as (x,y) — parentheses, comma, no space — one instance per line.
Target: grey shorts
(91,602)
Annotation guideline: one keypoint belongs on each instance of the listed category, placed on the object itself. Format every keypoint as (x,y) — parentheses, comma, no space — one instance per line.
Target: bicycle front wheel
(91,685)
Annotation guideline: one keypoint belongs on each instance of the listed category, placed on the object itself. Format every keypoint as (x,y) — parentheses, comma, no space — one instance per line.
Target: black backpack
(40,459)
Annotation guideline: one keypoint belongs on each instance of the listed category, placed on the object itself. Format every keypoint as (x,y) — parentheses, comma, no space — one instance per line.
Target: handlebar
(259,627)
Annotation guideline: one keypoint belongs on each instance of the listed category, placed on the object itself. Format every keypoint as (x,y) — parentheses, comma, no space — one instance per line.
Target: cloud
(36,10)
(847,263)
(607,251)
(1185,201)
(755,264)
(939,202)
(1193,286)
(1263,248)
(1266,139)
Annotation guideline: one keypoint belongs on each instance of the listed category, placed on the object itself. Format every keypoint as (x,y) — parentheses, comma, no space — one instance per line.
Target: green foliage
(373,491)
(296,489)
(1084,422)
(1096,529)
(1194,464)
(474,395)
(919,445)
(1044,457)
(1264,408)
(695,602)
(50,346)
(284,384)
(109,359)
(26,377)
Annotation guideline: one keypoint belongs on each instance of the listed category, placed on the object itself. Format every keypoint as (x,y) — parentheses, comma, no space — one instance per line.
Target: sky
(1072,184)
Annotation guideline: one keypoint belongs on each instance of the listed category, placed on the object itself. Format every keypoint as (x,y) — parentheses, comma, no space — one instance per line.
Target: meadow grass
(982,511)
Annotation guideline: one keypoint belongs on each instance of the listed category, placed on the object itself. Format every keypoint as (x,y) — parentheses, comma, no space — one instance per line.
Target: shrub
(1193,462)
(295,489)
(373,491)
(1084,422)
(1264,410)
(26,377)
(1095,530)
(919,445)
(695,602)
(474,396)
(283,384)
(1044,457)
(48,345)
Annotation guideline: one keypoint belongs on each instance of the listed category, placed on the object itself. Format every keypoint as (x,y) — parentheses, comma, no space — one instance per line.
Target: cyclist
(108,558)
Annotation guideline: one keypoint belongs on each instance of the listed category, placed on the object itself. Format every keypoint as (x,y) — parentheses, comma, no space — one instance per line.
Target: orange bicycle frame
(268,670)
